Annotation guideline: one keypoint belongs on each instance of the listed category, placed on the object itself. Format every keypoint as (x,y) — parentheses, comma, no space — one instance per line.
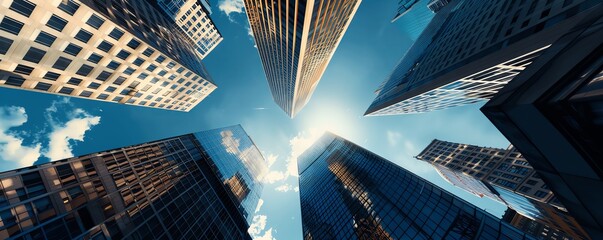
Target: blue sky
(39,127)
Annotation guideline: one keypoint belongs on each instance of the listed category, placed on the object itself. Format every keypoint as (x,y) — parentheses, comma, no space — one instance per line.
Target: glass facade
(166,189)
(238,163)
(348,192)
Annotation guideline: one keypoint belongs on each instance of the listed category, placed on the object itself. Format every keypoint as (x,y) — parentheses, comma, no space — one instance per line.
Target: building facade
(348,192)
(412,17)
(165,189)
(192,16)
(508,179)
(117,51)
(296,40)
(479,48)
(436,5)
(552,113)
(534,228)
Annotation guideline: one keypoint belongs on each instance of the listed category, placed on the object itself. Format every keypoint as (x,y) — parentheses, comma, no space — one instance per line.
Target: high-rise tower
(174,188)
(348,192)
(296,40)
(473,50)
(117,51)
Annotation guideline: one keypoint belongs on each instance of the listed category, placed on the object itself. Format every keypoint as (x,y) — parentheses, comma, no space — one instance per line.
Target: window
(95,21)
(540,194)
(52,76)
(23,69)
(74,81)
(61,63)
(160,59)
(133,44)
(531,182)
(45,39)
(34,55)
(138,61)
(116,34)
(23,7)
(83,36)
(95,58)
(123,54)
(147,52)
(129,71)
(66,90)
(110,89)
(14,81)
(103,76)
(5,44)
(118,98)
(69,6)
(524,189)
(93,85)
(102,96)
(56,22)
(151,68)
(85,93)
(113,65)
(84,70)
(73,49)
(43,86)
(105,46)
(11,25)
(120,80)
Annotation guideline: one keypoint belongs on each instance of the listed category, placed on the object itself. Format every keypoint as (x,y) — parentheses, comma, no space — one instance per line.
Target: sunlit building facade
(192,16)
(165,189)
(117,51)
(348,192)
(534,228)
(551,113)
(296,40)
(480,47)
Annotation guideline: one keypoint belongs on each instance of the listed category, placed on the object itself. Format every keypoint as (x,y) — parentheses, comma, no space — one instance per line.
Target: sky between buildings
(36,127)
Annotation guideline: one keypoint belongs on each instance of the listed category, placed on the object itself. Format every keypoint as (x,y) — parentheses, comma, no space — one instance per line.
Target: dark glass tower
(552,113)
(166,189)
(348,192)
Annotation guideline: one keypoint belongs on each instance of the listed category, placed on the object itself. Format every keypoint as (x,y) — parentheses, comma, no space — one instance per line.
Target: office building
(192,16)
(117,51)
(551,113)
(534,228)
(348,192)
(506,169)
(296,40)
(474,52)
(502,167)
(172,188)
(436,5)
(412,17)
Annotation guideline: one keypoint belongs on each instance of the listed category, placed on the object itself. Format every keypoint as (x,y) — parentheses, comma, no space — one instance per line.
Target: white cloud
(231,6)
(271,159)
(274,176)
(393,138)
(63,134)
(260,203)
(296,189)
(230,142)
(258,225)
(285,188)
(267,236)
(11,145)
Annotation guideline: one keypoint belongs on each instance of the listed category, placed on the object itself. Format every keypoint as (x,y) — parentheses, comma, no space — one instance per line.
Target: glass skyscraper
(172,188)
(296,40)
(477,49)
(348,192)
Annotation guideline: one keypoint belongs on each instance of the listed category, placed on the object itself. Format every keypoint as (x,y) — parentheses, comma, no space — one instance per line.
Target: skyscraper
(412,16)
(479,47)
(192,16)
(552,113)
(506,168)
(534,228)
(172,188)
(117,51)
(348,192)
(296,40)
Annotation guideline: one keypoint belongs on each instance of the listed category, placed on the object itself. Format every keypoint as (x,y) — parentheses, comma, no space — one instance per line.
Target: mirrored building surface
(296,40)
(116,51)
(165,189)
(348,192)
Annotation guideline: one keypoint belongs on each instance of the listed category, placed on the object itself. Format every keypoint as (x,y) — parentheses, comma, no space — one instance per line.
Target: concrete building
(474,50)
(348,192)
(192,16)
(296,40)
(172,188)
(116,51)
